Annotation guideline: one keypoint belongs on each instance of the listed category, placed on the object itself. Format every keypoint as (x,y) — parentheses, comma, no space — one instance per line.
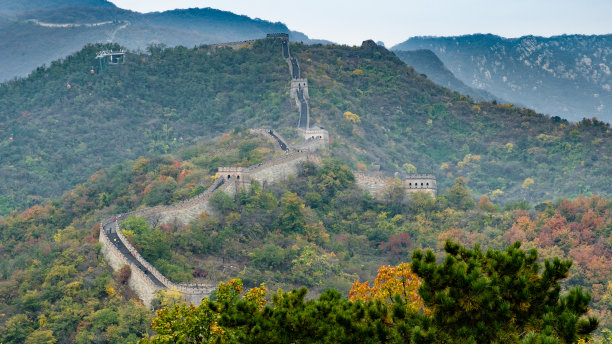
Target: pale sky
(394,21)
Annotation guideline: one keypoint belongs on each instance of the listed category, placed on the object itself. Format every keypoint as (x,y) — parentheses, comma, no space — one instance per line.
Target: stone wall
(181,212)
(233,45)
(279,169)
(313,145)
(280,35)
(298,83)
(138,281)
(413,183)
(375,186)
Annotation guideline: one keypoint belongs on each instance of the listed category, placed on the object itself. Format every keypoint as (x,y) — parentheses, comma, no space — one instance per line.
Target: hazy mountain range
(567,76)
(426,62)
(37,32)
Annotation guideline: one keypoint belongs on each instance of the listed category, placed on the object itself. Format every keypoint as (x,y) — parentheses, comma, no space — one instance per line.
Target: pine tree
(500,296)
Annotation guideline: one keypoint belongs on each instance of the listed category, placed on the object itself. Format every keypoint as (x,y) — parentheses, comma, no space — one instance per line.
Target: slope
(315,229)
(10,6)
(425,61)
(158,102)
(567,76)
(39,33)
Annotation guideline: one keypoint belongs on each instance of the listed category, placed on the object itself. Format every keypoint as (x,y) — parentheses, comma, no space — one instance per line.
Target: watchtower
(421,182)
(237,177)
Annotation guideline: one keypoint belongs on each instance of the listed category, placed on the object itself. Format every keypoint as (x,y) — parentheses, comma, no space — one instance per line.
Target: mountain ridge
(566,75)
(427,62)
(29,41)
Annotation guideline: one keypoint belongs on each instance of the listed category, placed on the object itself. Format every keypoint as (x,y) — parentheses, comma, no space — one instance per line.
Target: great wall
(146,280)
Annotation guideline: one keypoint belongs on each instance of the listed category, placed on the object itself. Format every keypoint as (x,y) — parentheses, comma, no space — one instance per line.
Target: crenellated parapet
(280,35)
(233,45)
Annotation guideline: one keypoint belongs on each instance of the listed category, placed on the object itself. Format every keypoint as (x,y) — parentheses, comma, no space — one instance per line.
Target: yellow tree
(391,281)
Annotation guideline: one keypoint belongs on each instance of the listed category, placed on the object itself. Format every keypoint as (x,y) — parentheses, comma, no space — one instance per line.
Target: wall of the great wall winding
(230,180)
(146,280)
(233,45)
(413,183)
(138,281)
(279,169)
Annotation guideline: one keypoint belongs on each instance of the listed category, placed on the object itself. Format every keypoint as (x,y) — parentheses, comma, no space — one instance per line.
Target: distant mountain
(566,76)
(426,62)
(12,6)
(38,32)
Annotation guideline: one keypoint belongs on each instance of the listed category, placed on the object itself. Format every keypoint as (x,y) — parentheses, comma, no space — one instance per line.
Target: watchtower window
(238,177)
(421,184)
(409,184)
(427,184)
(228,176)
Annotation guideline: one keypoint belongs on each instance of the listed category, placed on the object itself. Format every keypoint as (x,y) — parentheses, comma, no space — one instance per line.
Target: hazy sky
(393,21)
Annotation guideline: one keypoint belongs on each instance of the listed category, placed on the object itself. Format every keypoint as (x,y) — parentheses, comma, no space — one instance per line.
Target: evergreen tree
(500,297)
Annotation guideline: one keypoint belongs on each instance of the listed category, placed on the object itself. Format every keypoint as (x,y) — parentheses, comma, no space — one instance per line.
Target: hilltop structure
(146,280)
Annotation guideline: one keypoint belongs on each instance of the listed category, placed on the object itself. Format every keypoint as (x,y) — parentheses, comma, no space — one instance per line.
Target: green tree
(16,329)
(222,202)
(292,219)
(41,337)
(459,196)
(500,296)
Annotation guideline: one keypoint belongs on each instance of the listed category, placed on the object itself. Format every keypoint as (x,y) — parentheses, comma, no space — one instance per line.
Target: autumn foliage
(391,281)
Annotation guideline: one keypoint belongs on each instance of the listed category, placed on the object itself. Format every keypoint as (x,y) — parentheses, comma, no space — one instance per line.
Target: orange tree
(391,281)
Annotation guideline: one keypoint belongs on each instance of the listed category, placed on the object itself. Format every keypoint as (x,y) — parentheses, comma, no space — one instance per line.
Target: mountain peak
(10,6)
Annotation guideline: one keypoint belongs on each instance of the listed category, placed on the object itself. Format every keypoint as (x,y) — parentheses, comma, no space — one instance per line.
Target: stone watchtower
(421,182)
(237,177)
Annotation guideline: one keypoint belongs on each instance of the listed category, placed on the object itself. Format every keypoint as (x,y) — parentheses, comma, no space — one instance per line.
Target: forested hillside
(316,230)
(157,102)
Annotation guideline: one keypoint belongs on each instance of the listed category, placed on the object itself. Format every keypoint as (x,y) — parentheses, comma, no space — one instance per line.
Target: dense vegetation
(402,122)
(61,136)
(405,119)
(473,297)
(316,230)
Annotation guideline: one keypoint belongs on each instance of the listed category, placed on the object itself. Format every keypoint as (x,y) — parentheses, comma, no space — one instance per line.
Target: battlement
(421,182)
(232,169)
(421,176)
(234,45)
(278,35)
(297,85)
